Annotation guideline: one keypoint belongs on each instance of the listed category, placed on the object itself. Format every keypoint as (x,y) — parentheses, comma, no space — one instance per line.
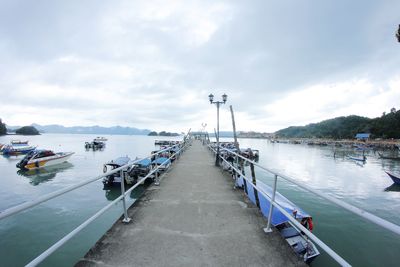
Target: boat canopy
(161,160)
(144,162)
(277,216)
(119,161)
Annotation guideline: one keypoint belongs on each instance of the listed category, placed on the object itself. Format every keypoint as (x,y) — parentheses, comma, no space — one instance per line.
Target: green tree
(153,134)
(3,129)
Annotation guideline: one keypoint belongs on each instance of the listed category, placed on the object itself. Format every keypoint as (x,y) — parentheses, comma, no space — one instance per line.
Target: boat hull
(395,179)
(46,162)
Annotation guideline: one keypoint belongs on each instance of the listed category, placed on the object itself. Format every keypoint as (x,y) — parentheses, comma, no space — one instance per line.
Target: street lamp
(398,34)
(211,98)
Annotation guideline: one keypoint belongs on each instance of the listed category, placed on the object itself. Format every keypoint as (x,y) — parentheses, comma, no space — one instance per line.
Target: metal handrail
(74,232)
(314,238)
(24,206)
(360,212)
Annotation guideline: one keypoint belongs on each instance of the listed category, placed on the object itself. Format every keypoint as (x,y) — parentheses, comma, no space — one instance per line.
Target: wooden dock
(194,218)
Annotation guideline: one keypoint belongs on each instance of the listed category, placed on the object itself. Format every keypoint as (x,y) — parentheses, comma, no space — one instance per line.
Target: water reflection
(45,174)
(112,192)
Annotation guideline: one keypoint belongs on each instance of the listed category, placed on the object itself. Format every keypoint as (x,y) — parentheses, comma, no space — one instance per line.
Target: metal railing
(364,214)
(24,206)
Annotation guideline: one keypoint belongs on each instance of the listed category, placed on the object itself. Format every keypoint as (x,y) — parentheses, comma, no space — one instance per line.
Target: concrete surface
(194,218)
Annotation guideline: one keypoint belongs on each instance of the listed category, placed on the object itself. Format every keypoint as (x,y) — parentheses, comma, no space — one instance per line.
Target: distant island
(162,133)
(386,127)
(27,130)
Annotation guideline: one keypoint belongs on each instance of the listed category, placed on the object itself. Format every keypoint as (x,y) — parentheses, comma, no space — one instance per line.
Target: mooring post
(271,206)
(253,175)
(237,149)
(126,218)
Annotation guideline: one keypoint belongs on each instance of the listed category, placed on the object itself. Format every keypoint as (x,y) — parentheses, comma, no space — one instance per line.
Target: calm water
(24,236)
(364,185)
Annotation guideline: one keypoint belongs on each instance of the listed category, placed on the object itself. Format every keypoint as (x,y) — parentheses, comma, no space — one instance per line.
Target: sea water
(361,243)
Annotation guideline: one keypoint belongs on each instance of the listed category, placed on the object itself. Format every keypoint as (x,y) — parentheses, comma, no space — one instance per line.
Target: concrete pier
(194,218)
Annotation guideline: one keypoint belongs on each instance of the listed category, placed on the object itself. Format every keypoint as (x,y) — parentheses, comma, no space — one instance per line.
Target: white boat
(19,142)
(100,139)
(43,158)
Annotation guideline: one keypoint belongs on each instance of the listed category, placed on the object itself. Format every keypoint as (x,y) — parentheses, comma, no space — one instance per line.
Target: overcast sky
(152,64)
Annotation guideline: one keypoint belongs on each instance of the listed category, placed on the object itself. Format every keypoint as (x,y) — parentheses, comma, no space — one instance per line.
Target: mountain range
(54,128)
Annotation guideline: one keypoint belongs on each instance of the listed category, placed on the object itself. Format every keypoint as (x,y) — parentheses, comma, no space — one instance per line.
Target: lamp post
(211,98)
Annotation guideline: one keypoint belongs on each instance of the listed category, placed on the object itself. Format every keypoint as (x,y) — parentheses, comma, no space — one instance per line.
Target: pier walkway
(194,218)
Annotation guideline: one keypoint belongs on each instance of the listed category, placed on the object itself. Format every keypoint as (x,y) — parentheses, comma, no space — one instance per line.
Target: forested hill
(386,126)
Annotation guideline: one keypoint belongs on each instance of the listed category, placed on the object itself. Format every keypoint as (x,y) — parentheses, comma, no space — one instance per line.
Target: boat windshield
(45,153)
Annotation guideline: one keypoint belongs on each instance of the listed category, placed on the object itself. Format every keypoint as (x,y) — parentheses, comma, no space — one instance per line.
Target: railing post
(271,207)
(157,178)
(254,180)
(126,218)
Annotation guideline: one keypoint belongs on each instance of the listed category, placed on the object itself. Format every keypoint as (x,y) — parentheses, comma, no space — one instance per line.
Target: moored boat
(115,177)
(363,159)
(43,158)
(296,238)
(396,179)
(388,157)
(138,170)
(162,162)
(15,150)
(100,139)
(95,145)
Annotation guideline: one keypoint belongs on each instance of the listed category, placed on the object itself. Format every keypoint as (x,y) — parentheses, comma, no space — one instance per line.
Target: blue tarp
(277,216)
(119,161)
(161,161)
(144,162)
(363,135)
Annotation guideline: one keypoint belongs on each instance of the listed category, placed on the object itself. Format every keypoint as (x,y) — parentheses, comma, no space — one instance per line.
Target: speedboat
(295,237)
(15,150)
(43,158)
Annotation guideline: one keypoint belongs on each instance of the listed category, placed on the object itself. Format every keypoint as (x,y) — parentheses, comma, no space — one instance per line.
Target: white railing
(364,214)
(24,206)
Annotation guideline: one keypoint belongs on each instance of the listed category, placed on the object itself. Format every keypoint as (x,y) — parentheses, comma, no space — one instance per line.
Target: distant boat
(95,145)
(100,139)
(19,142)
(395,178)
(388,157)
(363,159)
(15,150)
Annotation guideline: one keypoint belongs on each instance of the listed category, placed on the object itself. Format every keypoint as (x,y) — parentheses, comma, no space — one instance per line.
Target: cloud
(152,64)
